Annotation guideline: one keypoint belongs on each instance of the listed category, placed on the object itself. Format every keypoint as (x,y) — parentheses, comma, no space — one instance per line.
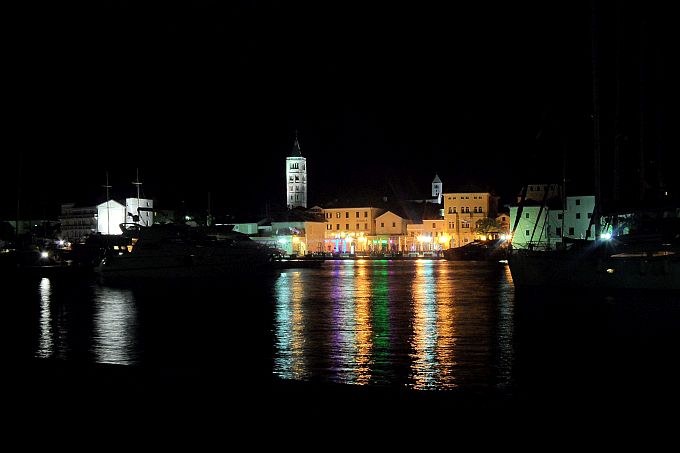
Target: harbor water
(421,327)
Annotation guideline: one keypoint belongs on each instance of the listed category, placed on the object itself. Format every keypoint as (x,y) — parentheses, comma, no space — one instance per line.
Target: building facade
(545,227)
(463,211)
(77,222)
(348,229)
(296,178)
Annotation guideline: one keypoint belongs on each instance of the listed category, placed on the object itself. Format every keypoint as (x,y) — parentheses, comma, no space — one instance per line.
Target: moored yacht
(168,252)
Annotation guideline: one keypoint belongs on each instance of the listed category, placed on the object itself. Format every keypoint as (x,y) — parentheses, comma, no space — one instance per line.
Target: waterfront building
(111,214)
(348,229)
(544,226)
(390,233)
(437,188)
(542,192)
(428,236)
(462,213)
(77,221)
(296,178)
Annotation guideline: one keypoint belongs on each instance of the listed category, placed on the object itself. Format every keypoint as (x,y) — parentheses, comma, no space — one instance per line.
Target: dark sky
(383,96)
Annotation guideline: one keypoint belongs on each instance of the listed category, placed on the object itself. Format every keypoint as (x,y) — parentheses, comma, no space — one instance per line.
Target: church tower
(437,189)
(296,178)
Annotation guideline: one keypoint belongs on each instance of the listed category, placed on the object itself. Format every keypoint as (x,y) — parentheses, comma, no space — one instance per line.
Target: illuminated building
(296,178)
(437,189)
(77,221)
(348,229)
(428,236)
(390,233)
(111,214)
(544,225)
(463,211)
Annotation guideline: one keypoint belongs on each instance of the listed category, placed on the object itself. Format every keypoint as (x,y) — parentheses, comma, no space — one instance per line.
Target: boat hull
(570,270)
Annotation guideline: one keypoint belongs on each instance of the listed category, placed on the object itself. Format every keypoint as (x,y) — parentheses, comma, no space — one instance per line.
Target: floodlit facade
(110,215)
(348,229)
(139,211)
(426,237)
(545,228)
(296,178)
(463,210)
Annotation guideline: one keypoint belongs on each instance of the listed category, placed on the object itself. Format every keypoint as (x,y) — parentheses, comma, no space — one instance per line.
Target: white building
(77,221)
(437,189)
(296,178)
(545,228)
(111,214)
(139,211)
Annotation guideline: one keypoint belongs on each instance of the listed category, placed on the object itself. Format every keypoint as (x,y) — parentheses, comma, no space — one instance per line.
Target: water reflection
(424,366)
(114,335)
(422,324)
(45,341)
(83,321)
(289,358)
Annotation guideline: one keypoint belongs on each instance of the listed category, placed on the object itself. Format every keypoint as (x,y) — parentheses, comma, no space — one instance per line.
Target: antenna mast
(596,120)
(137,183)
(107,187)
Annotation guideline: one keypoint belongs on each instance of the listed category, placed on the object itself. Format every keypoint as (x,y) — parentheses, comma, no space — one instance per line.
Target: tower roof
(296,147)
(436,179)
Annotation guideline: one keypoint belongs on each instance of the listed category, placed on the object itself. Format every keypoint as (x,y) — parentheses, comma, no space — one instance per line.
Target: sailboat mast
(137,183)
(107,186)
(596,119)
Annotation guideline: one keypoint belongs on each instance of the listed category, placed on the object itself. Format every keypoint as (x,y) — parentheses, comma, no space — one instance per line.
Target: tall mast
(137,183)
(596,119)
(16,242)
(107,186)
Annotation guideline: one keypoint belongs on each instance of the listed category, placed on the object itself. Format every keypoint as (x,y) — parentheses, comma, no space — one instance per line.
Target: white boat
(169,252)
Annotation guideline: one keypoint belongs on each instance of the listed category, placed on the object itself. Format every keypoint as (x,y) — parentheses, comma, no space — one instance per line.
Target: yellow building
(463,210)
(429,236)
(390,233)
(348,229)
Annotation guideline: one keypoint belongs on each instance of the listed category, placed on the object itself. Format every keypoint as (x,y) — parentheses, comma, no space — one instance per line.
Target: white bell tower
(437,189)
(296,178)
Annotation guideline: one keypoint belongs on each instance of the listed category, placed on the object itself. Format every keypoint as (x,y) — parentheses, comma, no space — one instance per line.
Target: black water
(404,331)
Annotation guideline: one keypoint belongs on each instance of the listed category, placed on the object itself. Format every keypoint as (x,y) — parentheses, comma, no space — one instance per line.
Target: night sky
(383,97)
